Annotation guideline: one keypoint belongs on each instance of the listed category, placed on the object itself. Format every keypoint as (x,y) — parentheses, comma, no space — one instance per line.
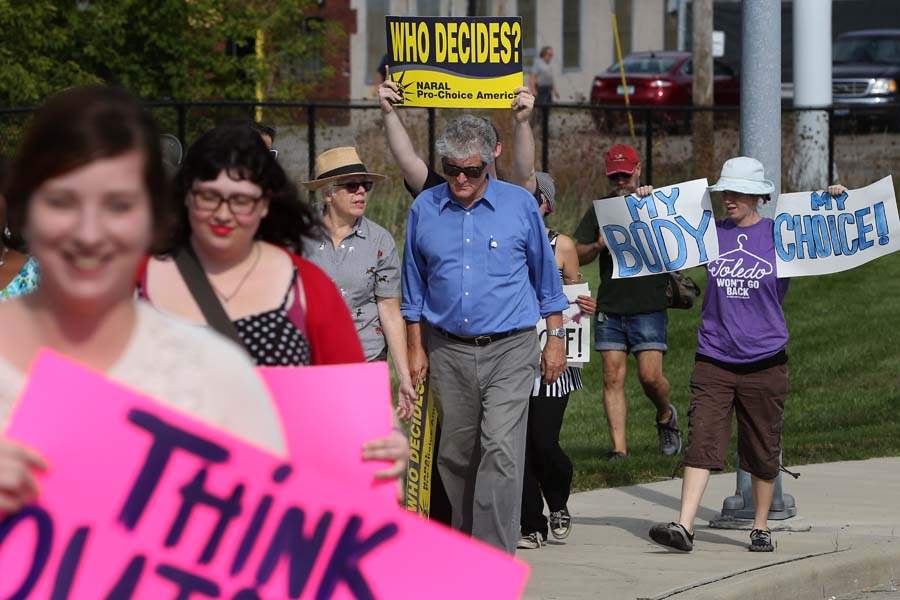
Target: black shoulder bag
(681,290)
(201,289)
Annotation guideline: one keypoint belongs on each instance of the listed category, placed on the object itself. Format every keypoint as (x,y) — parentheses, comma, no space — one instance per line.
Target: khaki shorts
(758,398)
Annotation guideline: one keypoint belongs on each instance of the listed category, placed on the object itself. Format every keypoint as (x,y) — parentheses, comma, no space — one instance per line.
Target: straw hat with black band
(337,163)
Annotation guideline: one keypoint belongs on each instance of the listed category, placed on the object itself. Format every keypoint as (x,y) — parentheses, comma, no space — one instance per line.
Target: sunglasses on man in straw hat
(337,164)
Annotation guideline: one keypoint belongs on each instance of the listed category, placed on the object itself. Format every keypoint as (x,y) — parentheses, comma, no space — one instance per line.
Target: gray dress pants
(483,395)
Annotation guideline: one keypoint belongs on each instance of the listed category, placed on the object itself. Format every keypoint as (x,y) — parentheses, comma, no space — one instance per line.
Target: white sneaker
(560,523)
(532,541)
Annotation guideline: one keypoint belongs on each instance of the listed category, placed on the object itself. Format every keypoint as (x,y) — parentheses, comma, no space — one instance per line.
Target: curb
(815,578)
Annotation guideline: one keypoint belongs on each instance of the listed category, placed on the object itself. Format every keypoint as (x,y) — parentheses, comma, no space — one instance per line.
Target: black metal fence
(862,144)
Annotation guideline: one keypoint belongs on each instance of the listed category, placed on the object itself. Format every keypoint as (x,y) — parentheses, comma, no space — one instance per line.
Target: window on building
(240,48)
(623,19)
(571,45)
(428,8)
(720,69)
(309,70)
(527,9)
(376,38)
(478,8)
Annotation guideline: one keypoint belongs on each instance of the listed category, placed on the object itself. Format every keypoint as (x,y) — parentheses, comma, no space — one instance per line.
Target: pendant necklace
(226,298)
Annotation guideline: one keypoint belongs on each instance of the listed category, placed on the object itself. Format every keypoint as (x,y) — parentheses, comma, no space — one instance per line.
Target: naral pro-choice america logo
(457,62)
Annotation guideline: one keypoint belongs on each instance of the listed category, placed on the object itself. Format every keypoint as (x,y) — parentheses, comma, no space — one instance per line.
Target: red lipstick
(221,230)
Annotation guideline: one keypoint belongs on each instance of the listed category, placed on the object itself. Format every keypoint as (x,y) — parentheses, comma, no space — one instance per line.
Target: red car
(660,79)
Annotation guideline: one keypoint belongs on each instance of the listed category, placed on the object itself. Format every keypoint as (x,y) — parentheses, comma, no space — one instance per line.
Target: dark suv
(866,74)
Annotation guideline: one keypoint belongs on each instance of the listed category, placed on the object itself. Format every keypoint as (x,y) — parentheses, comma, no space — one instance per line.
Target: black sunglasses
(620,176)
(451,170)
(352,186)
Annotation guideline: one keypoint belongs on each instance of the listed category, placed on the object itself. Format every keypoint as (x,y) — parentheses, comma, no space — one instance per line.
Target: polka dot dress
(273,340)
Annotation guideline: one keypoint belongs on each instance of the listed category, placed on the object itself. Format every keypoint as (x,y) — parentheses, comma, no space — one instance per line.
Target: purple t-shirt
(742,320)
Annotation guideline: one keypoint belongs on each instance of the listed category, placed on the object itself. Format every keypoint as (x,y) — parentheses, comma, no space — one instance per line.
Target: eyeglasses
(274,153)
(620,176)
(352,186)
(238,204)
(451,170)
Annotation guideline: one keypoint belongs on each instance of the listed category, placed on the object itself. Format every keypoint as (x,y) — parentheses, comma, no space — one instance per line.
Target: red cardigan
(326,322)
(329,326)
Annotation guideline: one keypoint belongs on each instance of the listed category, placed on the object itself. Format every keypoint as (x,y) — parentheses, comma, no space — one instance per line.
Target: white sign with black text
(576,324)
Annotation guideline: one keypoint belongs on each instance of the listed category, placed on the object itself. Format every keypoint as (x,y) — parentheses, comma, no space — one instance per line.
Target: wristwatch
(559,332)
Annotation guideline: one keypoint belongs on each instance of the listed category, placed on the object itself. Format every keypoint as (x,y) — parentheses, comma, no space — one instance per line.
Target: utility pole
(682,25)
(703,141)
(760,139)
(761,88)
(812,88)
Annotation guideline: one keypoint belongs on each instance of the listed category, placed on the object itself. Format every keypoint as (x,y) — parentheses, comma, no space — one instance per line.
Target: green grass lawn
(845,380)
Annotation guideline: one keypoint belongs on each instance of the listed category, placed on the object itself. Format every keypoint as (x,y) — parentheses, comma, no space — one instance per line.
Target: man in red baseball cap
(631,317)
(622,158)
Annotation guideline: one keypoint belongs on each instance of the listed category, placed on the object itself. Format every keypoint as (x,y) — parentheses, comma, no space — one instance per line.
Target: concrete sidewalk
(852,509)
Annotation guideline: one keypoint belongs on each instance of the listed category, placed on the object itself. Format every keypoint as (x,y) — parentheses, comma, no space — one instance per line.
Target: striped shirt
(567,383)
(570,380)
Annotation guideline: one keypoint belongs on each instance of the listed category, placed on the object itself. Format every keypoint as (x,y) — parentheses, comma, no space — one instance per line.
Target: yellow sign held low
(423,432)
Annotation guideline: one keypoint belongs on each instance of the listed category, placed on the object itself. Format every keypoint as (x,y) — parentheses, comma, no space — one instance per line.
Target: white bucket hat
(744,175)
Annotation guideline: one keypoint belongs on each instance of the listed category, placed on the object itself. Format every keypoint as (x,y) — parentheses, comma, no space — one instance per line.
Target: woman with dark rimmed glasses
(233,263)
(361,257)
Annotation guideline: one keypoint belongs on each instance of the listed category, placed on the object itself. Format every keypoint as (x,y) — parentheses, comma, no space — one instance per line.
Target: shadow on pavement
(640,528)
(654,497)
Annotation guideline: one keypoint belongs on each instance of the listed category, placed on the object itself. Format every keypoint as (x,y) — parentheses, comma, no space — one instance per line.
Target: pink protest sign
(328,413)
(144,502)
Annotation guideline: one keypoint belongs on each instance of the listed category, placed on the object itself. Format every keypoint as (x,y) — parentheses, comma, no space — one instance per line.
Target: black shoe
(560,523)
(669,434)
(613,456)
(761,541)
(673,535)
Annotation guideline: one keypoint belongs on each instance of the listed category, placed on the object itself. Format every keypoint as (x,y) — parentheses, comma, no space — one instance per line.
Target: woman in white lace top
(87,192)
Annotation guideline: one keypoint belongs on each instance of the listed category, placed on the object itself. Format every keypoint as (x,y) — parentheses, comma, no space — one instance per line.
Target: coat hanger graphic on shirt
(741,238)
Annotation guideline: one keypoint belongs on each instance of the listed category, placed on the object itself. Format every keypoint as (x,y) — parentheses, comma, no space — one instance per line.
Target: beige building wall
(648,25)
(648,18)
(574,84)
(358,52)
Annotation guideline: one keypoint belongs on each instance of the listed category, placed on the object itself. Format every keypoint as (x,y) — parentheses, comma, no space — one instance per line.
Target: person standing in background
(19,273)
(541,79)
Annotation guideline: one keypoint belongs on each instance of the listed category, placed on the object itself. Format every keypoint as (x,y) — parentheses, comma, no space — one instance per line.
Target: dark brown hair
(237,149)
(8,240)
(76,127)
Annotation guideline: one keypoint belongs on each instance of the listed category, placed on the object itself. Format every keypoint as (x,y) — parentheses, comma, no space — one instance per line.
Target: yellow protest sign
(455,62)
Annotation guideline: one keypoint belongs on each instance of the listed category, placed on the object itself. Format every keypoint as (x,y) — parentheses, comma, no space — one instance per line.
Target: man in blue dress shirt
(478,273)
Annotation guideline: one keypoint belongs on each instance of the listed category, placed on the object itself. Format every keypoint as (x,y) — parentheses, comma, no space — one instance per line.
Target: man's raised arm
(414,169)
(523,141)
